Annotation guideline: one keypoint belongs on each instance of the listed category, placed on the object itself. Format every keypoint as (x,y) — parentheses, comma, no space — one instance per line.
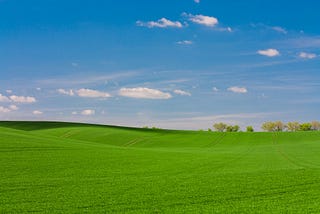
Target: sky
(176,64)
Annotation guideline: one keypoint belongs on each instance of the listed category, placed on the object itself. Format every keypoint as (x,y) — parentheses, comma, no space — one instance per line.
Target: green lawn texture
(52,167)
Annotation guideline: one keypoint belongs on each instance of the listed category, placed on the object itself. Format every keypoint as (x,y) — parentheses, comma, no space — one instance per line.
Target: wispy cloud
(144,93)
(279,29)
(83,92)
(88,112)
(269,52)
(215,89)
(37,112)
(185,42)
(305,55)
(239,90)
(68,81)
(182,93)
(197,1)
(161,23)
(65,92)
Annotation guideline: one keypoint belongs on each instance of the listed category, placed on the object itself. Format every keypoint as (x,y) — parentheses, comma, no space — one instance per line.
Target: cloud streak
(238,90)
(182,93)
(144,93)
(305,55)
(161,23)
(269,52)
(84,92)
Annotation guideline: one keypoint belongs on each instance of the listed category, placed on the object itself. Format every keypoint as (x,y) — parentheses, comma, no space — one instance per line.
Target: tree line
(271,126)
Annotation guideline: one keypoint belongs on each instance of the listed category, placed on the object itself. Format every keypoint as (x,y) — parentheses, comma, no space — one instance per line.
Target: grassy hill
(57,167)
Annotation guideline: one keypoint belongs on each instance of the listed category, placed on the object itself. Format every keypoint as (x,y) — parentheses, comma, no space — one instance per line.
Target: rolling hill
(55,167)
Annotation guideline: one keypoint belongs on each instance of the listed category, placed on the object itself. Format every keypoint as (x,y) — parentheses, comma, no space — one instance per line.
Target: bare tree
(279,126)
(315,125)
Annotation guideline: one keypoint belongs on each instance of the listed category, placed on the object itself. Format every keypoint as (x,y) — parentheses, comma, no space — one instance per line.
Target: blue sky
(180,64)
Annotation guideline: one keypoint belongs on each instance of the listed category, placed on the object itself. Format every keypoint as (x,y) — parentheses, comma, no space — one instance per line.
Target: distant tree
(235,128)
(279,126)
(315,125)
(250,129)
(229,128)
(220,127)
(276,126)
(305,127)
(269,126)
(293,126)
(209,130)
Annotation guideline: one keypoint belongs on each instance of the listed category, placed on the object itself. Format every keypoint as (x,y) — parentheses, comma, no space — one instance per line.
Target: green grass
(51,167)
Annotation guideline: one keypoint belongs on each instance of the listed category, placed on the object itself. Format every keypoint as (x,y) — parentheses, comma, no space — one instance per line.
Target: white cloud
(4,98)
(74,113)
(236,89)
(83,92)
(13,107)
(65,92)
(4,110)
(279,29)
(88,112)
(38,89)
(197,1)
(203,20)
(74,64)
(181,92)
(269,52)
(9,91)
(185,42)
(22,99)
(37,112)
(161,23)
(8,109)
(305,55)
(144,93)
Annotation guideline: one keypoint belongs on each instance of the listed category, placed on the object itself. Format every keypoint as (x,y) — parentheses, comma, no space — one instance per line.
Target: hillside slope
(72,168)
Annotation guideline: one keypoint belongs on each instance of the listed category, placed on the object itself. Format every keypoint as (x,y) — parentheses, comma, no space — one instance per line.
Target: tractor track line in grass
(216,141)
(69,133)
(284,155)
(133,142)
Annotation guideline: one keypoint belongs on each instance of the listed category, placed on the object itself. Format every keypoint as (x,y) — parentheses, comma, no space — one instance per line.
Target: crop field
(52,167)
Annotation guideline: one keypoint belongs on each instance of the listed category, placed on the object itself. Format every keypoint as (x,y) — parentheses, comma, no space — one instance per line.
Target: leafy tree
(229,128)
(250,129)
(220,127)
(293,126)
(315,125)
(276,126)
(235,128)
(269,126)
(305,127)
(279,126)
(209,130)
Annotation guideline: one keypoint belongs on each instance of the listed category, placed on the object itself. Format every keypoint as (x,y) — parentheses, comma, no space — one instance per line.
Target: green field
(50,167)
